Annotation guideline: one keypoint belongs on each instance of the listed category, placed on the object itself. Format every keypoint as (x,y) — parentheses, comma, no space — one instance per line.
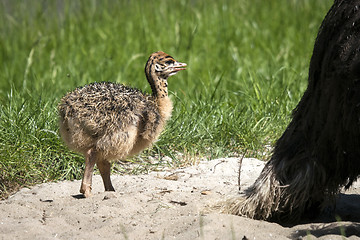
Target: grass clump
(247,69)
(30,149)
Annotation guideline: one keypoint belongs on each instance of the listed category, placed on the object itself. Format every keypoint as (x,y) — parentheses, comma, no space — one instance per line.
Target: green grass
(247,69)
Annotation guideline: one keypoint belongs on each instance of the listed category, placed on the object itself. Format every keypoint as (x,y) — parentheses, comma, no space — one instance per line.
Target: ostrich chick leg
(90,159)
(105,169)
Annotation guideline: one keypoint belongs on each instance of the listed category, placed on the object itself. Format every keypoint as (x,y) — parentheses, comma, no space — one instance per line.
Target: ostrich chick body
(108,121)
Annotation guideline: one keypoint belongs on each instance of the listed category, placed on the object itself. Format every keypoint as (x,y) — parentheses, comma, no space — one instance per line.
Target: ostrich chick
(107,121)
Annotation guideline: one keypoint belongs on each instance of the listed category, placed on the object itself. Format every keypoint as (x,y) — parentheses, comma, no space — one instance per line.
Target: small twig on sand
(240,163)
(222,161)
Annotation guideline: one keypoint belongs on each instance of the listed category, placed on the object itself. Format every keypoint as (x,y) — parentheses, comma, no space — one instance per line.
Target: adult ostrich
(319,152)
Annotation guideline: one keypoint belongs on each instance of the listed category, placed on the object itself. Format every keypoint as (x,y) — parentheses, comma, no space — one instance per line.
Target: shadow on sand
(343,221)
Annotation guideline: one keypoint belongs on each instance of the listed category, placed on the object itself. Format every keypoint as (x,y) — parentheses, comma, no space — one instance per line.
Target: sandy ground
(161,205)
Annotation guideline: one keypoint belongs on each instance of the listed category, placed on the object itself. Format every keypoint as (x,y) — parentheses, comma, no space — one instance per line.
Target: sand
(162,205)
